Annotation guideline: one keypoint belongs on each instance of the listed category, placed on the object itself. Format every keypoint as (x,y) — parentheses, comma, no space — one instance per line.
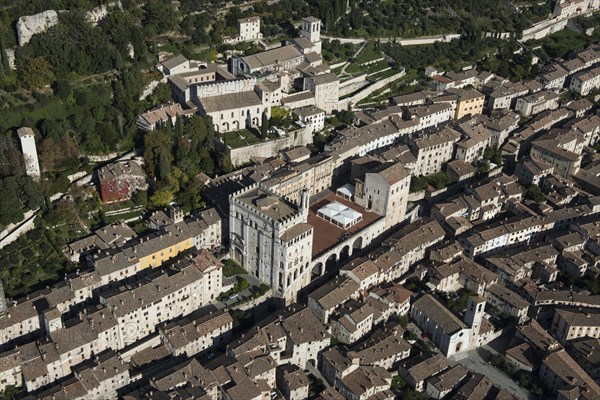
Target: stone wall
(429,39)
(22,227)
(499,35)
(337,65)
(352,85)
(102,158)
(343,40)
(254,302)
(371,62)
(543,29)
(225,87)
(242,155)
(367,91)
(416,196)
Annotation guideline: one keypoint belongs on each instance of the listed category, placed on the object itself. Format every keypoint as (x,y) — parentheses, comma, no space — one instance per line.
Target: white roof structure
(346,191)
(327,213)
(339,214)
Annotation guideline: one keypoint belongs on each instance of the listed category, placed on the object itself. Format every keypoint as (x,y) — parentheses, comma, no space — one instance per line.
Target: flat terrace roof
(325,234)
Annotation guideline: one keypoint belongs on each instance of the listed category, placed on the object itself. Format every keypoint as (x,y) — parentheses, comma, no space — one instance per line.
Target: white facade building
(313,116)
(30,157)
(249,28)
(433,150)
(385,192)
(584,82)
(537,102)
(445,330)
(271,239)
(248,31)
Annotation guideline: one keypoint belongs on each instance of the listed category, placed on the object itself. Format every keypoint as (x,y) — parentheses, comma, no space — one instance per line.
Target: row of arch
(334,259)
(234,126)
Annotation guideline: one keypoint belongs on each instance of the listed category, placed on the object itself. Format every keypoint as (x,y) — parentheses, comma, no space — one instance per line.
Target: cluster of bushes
(438,181)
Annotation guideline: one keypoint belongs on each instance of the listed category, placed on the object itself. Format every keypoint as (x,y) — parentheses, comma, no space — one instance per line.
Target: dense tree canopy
(409,18)
(17,193)
(72,46)
(175,155)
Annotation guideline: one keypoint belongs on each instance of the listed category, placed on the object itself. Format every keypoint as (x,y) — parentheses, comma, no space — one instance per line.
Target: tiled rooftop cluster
(510,242)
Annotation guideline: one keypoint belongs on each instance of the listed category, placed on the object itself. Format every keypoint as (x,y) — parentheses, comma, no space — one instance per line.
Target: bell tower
(473,317)
(311,29)
(304,201)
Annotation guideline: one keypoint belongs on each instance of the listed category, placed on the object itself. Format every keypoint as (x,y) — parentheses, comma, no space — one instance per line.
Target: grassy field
(368,53)
(241,138)
(396,88)
(383,74)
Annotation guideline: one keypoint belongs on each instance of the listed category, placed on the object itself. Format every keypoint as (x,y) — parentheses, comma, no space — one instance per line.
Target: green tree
(63,88)
(155,143)
(50,153)
(71,46)
(207,164)
(398,383)
(189,196)
(36,73)
(162,197)
(10,392)
(418,183)
(225,162)
(264,127)
(534,192)
(30,193)
(279,115)
(4,58)
(345,116)
(178,129)
(11,210)
(404,321)
(161,94)
(242,284)
(119,26)
(438,180)
(164,164)
(140,198)
(159,16)
(196,129)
